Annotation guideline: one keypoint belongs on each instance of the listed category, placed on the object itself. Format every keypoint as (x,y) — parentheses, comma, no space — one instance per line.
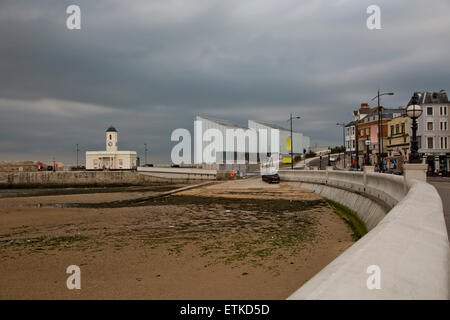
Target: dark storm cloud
(149,67)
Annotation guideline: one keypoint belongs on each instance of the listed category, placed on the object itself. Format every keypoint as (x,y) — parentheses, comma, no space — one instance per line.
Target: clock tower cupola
(111,139)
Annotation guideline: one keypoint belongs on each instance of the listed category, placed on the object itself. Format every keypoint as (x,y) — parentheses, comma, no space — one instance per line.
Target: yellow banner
(288,144)
(286,160)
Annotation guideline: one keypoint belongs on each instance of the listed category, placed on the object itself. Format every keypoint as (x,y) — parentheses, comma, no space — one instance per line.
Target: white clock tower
(111,139)
(111,158)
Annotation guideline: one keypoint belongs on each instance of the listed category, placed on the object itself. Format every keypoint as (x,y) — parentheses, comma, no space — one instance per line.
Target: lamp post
(357,144)
(343,137)
(145,152)
(368,151)
(77,155)
(292,144)
(380,115)
(414,111)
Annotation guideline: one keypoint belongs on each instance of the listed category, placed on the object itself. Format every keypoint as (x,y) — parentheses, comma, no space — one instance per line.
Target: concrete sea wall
(92,178)
(407,242)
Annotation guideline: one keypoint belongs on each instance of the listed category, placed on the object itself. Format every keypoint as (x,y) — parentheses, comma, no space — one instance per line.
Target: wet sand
(235,240)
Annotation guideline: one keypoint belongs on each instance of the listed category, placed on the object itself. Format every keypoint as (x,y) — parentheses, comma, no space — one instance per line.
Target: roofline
(274,126)
(222,124)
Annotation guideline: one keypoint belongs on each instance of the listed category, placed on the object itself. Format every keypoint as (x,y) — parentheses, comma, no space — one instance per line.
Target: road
(443,187)
(323,163)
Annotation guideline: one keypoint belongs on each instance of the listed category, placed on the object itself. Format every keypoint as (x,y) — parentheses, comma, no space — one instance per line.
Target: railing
(407,251)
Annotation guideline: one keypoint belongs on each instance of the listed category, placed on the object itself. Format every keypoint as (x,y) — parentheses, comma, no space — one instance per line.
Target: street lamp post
(292,144)
(357,144)
(343,138)
(368,151)
(380,115)
(414,111)
(145,152)
(77,155)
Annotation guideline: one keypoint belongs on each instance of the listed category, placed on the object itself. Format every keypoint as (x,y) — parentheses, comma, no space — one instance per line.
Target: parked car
(271,178)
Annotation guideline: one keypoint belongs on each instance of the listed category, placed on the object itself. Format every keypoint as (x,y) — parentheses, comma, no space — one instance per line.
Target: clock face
(110,143)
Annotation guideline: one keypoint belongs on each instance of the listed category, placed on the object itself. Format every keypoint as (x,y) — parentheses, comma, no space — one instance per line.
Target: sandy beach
(243,239)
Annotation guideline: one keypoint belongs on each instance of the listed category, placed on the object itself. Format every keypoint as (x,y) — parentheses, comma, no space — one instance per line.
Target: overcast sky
(149,67)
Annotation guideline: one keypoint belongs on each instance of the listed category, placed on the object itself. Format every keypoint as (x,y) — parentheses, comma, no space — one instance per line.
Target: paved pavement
(443,187)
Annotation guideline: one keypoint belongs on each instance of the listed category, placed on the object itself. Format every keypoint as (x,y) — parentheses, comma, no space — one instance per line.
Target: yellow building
(398,142)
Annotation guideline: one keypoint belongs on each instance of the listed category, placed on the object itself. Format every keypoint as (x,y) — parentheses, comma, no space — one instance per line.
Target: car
(271,178)
(334,158)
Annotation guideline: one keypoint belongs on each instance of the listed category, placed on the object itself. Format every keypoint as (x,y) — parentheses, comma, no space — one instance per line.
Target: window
(442,142)
(403,127)
(392,130)
(367,131)
(441,112)
(443,125)
(397,128)
(110,137)
(429,111)
(445,143)
(429,126)
(430,142)
(362,132)
(445,111)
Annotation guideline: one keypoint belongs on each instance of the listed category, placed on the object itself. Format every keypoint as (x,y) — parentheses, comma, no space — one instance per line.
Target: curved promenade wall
(407,241)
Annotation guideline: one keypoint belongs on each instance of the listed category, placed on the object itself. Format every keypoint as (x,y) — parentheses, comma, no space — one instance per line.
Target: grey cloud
(151,66)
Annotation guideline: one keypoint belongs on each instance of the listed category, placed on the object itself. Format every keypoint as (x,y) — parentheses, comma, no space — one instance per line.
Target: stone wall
(84,178)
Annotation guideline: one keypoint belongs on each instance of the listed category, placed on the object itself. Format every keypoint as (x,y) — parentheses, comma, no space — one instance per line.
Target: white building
(224,153)
(433,132)
(300,142)
(111,158)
